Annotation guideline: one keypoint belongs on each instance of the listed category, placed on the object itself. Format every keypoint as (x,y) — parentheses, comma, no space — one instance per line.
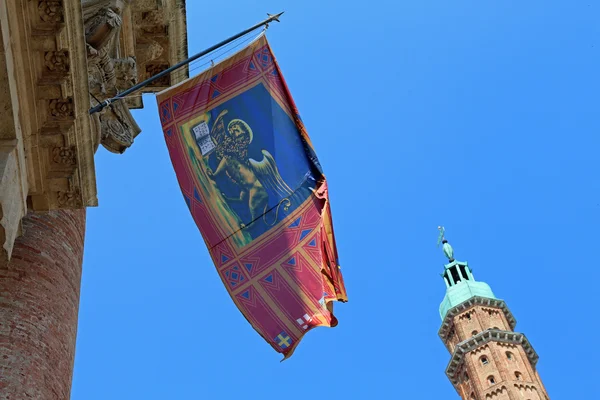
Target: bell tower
(489,359)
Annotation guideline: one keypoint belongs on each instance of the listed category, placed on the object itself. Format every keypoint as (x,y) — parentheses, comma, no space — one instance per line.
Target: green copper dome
(460,283)
(462,291)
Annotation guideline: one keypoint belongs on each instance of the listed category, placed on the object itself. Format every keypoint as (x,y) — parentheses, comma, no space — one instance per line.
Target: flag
(254,186)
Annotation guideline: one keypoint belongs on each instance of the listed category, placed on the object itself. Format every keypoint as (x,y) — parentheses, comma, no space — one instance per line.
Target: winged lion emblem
(259,182)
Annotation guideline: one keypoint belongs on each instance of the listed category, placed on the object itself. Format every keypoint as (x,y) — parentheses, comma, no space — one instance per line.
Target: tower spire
(489,359)
(460,282)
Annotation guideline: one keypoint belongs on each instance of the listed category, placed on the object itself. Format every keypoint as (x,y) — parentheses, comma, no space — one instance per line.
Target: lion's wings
(268,174)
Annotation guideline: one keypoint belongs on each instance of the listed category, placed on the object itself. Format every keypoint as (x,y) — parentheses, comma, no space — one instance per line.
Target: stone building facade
(490,361)
(58,58)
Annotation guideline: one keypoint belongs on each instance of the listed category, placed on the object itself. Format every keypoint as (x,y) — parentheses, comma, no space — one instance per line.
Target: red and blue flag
(254,186)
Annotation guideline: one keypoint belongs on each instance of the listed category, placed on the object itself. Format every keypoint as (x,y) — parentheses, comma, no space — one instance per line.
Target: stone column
(39,302)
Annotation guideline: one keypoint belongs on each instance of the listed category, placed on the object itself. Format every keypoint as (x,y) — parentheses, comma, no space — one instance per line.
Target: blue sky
(481,116)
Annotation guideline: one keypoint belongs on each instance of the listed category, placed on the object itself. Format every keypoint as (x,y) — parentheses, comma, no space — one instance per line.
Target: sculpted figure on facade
(102,25)
(108,73)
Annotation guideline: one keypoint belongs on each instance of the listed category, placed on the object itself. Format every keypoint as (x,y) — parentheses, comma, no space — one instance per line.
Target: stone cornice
(51,164)
(499,388)
(448,321)
(490,335)
(55,57)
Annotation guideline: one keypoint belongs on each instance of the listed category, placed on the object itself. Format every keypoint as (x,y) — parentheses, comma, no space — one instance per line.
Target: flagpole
(148,81)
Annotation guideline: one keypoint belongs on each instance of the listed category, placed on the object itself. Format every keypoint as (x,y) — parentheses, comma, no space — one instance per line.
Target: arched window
(474,333)
(519,376)
(509,355)
(491,380)
(466,378)
(472,396)
(496,328)
(468,316)
(484,360)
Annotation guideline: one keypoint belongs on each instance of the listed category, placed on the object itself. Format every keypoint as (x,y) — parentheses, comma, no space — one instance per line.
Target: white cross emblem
(303,322)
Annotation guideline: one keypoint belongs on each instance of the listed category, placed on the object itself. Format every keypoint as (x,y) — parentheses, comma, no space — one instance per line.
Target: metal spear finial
(275,17)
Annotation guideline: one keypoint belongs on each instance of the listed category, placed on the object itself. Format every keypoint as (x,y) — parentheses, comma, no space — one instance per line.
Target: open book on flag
(255,188)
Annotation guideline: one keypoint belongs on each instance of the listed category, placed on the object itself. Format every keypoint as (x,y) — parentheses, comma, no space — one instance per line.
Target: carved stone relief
(64,155)
(61,108)
(149,50)
(51,11)
(63,162)
(68,199)
(57,61)
(119,128)
(102,27)
(153,18)
(101,73)
(125,72)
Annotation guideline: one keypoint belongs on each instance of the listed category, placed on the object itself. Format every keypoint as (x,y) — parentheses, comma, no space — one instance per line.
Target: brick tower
(489,359)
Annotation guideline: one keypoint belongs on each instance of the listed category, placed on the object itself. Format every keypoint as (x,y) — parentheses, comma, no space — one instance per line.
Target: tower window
(509,355)
(455,275)
(474,333)
(468,315)
(466,377)
(484,360)
(463,272)
(491,380)
(472,396)
(518,376)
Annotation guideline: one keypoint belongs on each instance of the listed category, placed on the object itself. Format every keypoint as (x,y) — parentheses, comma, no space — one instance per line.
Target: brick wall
(39,301)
